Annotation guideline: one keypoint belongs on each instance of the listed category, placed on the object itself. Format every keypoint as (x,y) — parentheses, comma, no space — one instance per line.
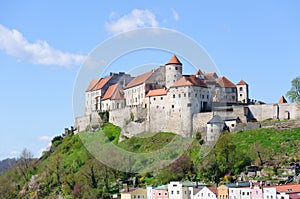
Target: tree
(294,93)
(25,163)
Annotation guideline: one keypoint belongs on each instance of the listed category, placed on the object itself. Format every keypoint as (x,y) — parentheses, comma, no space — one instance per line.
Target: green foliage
(131,116)
(69,170)
(294,93)
(112,132)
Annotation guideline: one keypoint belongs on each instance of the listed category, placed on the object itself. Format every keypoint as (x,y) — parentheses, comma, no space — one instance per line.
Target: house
(149,191)
(269,192)
(284,191)
(162,77)
(97,88)
(256,191)
(176,190)
(239,190)
(223,192)
(206,193)
(160,192)
(133,193)
(214,128)
(113,98)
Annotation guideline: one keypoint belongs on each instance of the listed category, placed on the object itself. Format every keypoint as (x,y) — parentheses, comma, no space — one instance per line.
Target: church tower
(243,92)
(173,71)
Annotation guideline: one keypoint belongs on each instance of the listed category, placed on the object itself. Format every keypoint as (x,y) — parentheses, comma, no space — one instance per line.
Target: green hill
(69,170)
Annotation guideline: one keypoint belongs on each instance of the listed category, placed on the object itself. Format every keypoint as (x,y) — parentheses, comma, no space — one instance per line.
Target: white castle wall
(160,116)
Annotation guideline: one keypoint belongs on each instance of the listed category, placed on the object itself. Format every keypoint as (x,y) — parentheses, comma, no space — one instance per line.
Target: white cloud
(135,19)
(45,138)
(14,153)
(175,14)
(40,52)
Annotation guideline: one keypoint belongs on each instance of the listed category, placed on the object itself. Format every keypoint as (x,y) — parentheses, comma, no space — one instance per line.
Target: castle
(165,100)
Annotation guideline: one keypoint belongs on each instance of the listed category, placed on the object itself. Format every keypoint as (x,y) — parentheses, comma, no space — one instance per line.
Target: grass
(273,142)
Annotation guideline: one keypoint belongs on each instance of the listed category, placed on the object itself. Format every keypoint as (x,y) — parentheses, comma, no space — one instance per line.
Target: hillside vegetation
(69,170)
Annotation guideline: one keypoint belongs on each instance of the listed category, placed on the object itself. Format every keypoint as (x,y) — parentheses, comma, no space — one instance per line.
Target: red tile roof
(242,82)
(288,188)
(114,93)
(156,92)
(282,100)
(140,79)
(294,196)
(211,76)
(189,80)
(199,72)
(101,83)
(225,83)
(174,60)
(213,189)
(92,84)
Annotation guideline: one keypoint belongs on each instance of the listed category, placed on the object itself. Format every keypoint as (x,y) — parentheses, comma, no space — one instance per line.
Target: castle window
(156,106)
(241,88)
(176,68)
(189,105)
(174,75)
(161,98)
(233,97)
(207,96)
(154,98)
(202,96)
(172,106)
(195,94)
(189,94)
(174,96)
(179,95)
(184,95)
(232,90)
(241,95)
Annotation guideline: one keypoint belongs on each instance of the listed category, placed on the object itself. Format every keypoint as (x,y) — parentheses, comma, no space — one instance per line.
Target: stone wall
(200,120)
(81,123)
(263,111)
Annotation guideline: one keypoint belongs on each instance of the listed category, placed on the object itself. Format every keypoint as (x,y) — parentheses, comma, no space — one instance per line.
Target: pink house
(257,191)
(160,192)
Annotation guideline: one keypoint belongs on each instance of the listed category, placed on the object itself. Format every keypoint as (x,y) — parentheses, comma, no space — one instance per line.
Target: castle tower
(173,71)
(243,91)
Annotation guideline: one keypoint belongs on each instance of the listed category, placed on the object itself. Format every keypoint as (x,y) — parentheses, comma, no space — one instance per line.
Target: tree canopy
(294,93)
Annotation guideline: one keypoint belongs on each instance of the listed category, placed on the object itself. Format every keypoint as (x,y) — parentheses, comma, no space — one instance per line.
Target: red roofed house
(162,77)
(226,91)
(98,87)
(113,98)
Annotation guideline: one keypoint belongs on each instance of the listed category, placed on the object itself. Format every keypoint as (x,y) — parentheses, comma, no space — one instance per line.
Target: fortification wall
(289,111)
(200,120)
(81,123)
(263,111)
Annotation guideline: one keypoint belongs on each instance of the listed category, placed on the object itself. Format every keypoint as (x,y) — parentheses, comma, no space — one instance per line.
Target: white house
(178,191)
(206,193)
(269,192)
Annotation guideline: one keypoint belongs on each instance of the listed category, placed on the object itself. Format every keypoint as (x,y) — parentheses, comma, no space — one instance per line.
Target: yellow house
(134,193)
(222,192)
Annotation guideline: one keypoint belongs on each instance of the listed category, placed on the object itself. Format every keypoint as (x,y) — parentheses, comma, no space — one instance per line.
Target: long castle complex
(165,100)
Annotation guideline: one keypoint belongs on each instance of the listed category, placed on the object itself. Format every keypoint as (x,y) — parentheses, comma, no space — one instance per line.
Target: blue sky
(43,43)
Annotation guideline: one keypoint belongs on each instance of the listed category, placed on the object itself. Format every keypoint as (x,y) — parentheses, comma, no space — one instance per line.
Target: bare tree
(24,164)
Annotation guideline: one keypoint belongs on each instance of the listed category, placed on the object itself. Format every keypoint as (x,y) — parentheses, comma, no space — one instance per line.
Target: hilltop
(70,170)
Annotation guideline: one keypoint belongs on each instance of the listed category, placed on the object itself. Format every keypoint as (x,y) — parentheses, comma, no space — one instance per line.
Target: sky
(44,43)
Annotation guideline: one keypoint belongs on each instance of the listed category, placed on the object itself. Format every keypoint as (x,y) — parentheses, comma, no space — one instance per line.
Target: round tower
(173,71)
(243,92)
